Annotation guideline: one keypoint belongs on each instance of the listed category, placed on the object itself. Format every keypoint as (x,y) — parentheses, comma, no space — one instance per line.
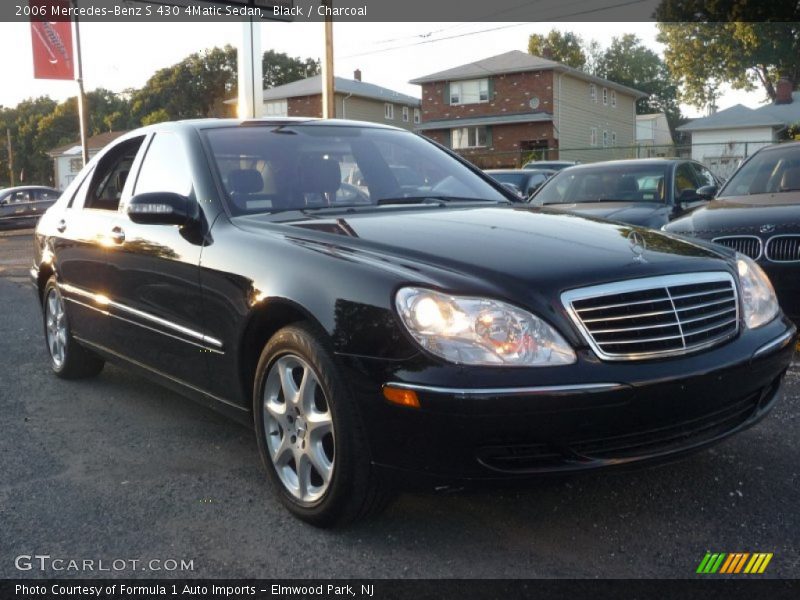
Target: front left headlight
(480,331)
(760,305)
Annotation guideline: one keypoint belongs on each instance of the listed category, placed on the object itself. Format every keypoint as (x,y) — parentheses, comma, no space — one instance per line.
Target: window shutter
(447,138)
(447,92)
(488,136)
(490,87)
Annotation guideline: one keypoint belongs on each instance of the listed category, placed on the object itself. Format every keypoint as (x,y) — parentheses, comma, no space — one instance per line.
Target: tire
(68,359)
(310,435)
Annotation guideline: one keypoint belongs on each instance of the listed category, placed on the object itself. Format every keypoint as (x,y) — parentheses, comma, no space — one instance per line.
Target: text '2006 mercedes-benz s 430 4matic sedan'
(415,330)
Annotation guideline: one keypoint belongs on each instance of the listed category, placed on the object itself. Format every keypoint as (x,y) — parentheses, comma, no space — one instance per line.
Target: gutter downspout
(344,105)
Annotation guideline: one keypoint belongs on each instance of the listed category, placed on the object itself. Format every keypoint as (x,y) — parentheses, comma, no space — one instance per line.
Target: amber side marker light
(401,397)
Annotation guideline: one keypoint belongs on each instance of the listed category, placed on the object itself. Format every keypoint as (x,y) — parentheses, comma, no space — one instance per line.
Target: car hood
(742,215)
(523,248)
(635,213)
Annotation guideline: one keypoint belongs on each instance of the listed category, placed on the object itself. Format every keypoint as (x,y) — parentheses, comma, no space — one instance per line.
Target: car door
(17,207)
(80,242)
(154,274)
(43,199)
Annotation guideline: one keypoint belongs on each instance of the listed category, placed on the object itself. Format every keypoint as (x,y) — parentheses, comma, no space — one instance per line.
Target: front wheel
(68,359)
(309,432)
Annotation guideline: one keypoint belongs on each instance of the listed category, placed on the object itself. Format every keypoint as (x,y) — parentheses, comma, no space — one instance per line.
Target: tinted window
(311,166)
(111,175)
(21,197)
(704,176)
(773,171)
(606,183)
(685,178)
(47,195)
(165,168)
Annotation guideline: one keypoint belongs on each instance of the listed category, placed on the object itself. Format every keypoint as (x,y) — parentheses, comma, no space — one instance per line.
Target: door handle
(117,235)
(62,226)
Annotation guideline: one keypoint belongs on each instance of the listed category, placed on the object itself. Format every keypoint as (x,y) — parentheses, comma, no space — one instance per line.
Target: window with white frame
(405,114)
(276,108)
(593,136)
(613,138)
(469,137)
(605,138)
(592,92)
(388,111)
(613,98)
(473,91)
(605,96)
(416,116)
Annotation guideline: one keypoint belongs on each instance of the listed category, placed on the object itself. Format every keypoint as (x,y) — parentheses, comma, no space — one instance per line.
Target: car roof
(22,188)
(631,162)
(265,121)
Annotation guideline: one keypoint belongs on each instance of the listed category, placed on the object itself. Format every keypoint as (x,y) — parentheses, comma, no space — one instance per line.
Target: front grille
(783,248)
(657,316)
(749,245)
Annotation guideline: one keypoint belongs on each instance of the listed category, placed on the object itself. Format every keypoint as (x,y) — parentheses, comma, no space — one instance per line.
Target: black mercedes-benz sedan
(757,213)
(396,335)
(648,192)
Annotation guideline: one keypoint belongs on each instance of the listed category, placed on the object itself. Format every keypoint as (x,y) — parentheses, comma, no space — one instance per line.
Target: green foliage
(702,55)
(280,68)
(566,48)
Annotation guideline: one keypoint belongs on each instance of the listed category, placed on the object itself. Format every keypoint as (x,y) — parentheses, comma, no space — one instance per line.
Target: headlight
(480,331)
(758,296)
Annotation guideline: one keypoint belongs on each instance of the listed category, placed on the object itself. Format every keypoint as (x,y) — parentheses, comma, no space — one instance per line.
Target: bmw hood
(762,213)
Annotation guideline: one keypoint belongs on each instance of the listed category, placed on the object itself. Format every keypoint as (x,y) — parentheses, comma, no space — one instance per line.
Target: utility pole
(328,90)
(82,103)
(10,157)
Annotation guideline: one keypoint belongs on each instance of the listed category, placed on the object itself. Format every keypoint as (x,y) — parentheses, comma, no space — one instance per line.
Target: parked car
(757,213)
(647,192)
(23,205)
(524,181)
(439,337)
(551,165)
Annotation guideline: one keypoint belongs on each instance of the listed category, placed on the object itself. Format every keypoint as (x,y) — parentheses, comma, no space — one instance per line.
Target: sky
(118,56)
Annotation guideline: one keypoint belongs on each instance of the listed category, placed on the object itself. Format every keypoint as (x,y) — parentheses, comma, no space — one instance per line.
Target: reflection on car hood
(635,213)
(519,245)
(742,215)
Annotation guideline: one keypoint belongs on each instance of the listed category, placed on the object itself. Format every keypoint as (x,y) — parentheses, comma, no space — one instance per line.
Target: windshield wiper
(439,200)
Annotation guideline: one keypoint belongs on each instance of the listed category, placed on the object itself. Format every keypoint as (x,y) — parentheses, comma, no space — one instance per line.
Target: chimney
(357,74)
(783,91)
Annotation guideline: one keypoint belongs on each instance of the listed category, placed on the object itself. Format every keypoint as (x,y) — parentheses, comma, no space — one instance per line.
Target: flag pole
(82,103)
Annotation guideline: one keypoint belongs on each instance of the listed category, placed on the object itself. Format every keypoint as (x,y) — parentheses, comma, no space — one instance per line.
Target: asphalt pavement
(117,468)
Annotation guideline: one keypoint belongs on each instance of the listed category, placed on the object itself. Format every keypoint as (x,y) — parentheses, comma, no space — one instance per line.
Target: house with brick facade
(506,109)
(354,99)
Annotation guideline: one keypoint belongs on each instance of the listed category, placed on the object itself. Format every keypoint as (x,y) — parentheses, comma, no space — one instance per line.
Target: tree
(280,68)
(723,43)
(629,62)
(566,48)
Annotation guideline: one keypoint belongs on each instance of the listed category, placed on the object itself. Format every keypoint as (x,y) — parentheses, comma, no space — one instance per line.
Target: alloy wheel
(56,327)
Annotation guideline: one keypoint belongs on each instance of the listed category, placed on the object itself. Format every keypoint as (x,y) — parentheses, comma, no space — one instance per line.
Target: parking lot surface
(119,468)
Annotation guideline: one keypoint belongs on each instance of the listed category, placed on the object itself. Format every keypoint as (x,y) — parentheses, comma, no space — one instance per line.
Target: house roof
(96,142)
(739,116)
(488,120)
(313,85)
(517,61)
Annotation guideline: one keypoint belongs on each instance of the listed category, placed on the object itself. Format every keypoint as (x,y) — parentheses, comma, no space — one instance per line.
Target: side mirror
(512,188)
(161,208)
(707,192)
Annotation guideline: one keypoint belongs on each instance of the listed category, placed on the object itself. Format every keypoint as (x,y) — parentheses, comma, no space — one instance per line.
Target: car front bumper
(482,429)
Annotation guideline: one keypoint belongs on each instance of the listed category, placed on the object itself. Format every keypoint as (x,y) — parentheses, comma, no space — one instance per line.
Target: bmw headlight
(480,331)
(758,297)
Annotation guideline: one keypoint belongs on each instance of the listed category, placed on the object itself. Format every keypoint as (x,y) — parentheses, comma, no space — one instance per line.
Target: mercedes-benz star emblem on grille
(768,228)
(638,245)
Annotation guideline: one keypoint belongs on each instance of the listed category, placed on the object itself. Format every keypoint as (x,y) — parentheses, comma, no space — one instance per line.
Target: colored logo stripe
(729,564)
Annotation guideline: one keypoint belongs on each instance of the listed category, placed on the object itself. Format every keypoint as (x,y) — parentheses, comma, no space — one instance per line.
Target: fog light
(401,396)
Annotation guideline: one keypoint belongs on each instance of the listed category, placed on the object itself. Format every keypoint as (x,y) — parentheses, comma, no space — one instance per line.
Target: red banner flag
(52,41)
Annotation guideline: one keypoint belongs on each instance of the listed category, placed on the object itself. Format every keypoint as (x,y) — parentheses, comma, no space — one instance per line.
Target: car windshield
(518,179)
(770,172)
(269,168)
(607,183)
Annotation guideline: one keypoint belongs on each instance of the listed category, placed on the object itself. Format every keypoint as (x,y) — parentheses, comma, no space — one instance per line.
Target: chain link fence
(721,158)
